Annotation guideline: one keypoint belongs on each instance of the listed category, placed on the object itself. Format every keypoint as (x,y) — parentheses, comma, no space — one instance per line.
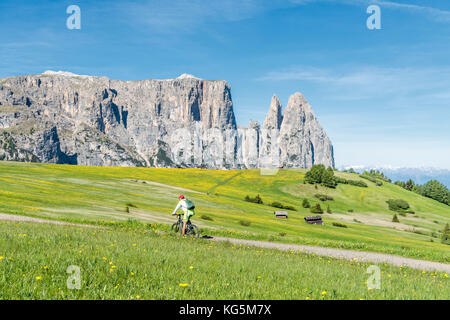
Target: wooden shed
(281,214)
(314,220)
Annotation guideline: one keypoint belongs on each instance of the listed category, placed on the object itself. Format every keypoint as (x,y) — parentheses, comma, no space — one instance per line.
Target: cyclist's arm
(176,209)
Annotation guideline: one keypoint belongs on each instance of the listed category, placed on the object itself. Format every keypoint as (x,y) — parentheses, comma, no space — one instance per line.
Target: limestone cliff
(59,117)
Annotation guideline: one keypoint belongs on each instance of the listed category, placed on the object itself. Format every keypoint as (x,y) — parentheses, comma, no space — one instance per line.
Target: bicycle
(191,229)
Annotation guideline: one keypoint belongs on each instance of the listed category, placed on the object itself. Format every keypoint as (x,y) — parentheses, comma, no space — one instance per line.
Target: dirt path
(12,217)
(345,254)
(158,184)
(328,252)
(211,190)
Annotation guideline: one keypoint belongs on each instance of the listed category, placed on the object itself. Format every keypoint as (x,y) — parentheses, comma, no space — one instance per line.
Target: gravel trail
(345,254)
(13,217)
(321,251)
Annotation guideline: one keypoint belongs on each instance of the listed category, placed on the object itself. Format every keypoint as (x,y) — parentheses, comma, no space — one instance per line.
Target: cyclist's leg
(185,221)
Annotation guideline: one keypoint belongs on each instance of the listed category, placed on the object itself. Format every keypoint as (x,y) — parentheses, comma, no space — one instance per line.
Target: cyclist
(187,207)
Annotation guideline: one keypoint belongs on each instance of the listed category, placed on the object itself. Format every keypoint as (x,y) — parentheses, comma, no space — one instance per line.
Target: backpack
(190,205)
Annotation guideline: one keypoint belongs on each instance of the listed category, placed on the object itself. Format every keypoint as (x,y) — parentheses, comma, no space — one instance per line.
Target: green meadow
(128,252)
(101,195)
(130,260)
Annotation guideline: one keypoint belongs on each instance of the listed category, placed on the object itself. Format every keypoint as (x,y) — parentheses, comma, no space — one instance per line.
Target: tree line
(432,189)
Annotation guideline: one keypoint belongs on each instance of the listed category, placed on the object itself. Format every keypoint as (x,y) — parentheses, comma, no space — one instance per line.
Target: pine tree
(316,209)
(395,218)
(329,209)
(305,203)
(409,185)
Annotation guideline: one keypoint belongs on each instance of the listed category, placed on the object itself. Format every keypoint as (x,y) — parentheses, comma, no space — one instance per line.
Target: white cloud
(363,82)
(185,15)
(188,16)
(434,13)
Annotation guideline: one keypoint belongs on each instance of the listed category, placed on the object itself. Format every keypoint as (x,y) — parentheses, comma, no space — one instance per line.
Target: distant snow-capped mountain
(418,175)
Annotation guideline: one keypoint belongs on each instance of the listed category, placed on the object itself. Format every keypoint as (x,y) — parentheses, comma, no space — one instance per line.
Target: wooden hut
(281,214)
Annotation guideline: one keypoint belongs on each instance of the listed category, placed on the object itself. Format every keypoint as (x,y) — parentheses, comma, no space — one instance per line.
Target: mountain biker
(188,209)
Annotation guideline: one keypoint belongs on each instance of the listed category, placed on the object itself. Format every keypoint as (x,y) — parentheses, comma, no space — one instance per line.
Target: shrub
(127,209)
(398,205)
(376,174)
(305,203)
(323,197)
(446,234)
(316,209)
(277,204)
(350,210)
(205,217)
(329,209)
(245,223)
(282,234)
(395,218)
(358,183)
(337,224)
(256,199)
(341,180)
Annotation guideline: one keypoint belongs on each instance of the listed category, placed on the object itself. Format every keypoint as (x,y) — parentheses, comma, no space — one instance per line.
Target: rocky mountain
(60,117)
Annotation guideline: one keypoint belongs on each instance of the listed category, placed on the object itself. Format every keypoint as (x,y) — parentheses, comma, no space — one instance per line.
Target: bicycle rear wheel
(193,231)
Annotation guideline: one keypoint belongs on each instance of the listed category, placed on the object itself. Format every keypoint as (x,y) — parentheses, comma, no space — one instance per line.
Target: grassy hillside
(101,195)
(128,261)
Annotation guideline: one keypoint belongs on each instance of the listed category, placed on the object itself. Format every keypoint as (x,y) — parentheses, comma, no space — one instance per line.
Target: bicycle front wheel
(175,227)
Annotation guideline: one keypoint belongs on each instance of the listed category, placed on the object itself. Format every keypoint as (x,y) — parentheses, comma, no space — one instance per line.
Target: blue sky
(383,96)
